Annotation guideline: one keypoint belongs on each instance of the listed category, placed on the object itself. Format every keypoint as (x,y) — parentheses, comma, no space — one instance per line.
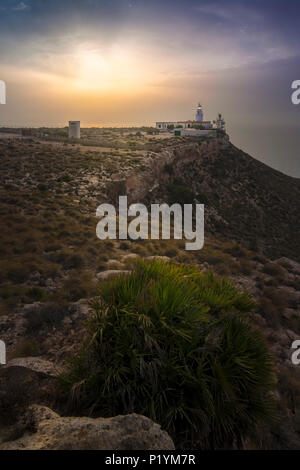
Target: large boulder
(35,363)
(111,274)
(22,386)
(165,259)
(46,430)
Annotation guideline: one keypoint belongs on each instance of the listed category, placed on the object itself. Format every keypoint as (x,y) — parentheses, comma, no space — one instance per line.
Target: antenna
(220,123)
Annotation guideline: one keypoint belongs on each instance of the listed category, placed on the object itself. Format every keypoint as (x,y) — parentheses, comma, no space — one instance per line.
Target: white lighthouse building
(199,113)
(197,123)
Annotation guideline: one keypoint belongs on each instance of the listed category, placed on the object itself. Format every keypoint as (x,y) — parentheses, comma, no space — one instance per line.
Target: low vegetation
(174,344)
(51,262)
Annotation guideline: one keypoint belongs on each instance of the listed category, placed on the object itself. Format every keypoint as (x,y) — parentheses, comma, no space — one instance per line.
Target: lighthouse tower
(199,113)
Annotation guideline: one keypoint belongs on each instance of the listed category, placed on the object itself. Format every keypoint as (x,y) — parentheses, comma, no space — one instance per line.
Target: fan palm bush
(172,343)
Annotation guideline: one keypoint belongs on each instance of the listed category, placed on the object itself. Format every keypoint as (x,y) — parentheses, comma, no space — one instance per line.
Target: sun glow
(113,69)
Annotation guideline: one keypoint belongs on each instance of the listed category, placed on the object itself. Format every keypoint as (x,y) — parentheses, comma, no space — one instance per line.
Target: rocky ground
(43,429)
(52,262)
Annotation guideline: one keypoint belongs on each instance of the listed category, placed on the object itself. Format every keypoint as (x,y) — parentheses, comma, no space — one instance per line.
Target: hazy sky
(132,62)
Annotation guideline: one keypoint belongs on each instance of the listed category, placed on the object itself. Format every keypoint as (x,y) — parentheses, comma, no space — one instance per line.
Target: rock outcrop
(20,387)
(245,200)
(37,364)
(111,274)
(44,429)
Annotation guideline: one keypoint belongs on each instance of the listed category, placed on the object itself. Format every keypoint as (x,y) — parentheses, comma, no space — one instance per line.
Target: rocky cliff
(245,200)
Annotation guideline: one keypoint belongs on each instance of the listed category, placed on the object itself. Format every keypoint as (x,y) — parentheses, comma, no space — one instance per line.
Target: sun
(115,69)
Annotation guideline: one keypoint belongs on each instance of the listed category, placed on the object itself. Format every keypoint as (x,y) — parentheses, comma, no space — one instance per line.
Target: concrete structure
(74,129)
(170,125)
(220,123)
(192,132)
(198,123)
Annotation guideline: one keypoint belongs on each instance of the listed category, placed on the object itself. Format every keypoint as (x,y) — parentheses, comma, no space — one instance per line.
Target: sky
(135,62)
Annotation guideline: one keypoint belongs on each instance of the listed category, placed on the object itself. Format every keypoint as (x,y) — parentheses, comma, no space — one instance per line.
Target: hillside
(245,200)
(52,263)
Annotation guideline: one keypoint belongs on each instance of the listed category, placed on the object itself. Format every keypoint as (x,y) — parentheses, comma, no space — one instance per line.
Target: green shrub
(13,295)
(76,287)
(270,312)
(48,315)
(202,198)
(275,270)
(172,343)
(236,250)
(168,168)
(14,271)
(36,293)
(179,193)
(42,187)
(26,348)
(171,251)
(277,296)
(67,259)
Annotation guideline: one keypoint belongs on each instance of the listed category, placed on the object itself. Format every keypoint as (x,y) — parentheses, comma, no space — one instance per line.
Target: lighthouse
(197,123)
(199,113)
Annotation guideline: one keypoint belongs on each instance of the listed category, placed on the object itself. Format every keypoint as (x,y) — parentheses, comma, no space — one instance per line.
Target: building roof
(189,121)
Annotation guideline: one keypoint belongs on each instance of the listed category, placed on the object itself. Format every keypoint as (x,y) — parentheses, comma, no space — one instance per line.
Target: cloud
(20,7)
(231,12)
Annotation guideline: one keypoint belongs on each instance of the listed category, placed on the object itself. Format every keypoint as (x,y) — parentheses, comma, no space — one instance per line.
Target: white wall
(74,129)
(194,132)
